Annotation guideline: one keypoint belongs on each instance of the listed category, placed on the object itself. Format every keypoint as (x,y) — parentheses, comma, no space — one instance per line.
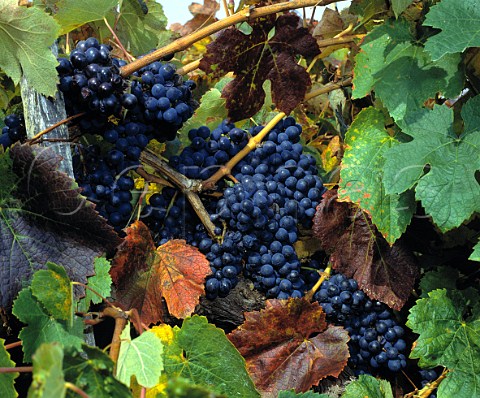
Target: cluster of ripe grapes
(128,114)
(277,188)
(14,130)
(376,339)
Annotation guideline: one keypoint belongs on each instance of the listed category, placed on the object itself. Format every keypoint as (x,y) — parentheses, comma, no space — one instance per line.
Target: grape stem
(24,369)
(225,6)
(256,140)
(429,388)
(241,16)
(117,40)
(76,389)
(323,275)
(153,178)
(188,187)
(13,345)
(189,67)
(251,145)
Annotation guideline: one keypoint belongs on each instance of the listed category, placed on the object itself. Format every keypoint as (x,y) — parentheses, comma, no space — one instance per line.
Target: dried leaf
(330,25)
(257,57)
(203,15)
(289,346)
(359,251)
(144,275)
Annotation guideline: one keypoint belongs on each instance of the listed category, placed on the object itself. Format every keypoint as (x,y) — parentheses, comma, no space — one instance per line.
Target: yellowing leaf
(140,357)
(330,159)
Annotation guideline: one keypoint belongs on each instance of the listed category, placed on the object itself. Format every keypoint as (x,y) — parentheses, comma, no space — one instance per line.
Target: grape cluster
(105,184)
(161,99)
(91,82)
(209,150)
(277,189)
(156,97)
(375,337)
(13,131)
(128,114)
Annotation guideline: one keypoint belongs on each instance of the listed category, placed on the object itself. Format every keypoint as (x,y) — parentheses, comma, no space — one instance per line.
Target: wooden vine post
(40,113)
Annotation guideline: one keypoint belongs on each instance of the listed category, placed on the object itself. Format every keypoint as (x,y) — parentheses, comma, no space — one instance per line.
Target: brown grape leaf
(359,251)
(289,345)
(46,219)
(203,15)
(144,275)
(255,58)
(330,25)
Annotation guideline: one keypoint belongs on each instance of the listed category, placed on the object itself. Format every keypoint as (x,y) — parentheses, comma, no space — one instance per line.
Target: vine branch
(241,16)
(54,126)
(121,319)
(187,186)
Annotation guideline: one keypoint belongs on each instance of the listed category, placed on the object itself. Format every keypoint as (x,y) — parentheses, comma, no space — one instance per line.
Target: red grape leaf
(359,251)
(289,345)
(45,218)
(255,58)
(144,275)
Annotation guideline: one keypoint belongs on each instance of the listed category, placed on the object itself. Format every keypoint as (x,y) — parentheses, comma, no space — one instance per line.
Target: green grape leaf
(7,380)
(48,380)
(101,282)
(92,370)
(460,25)
(441,278)
(46,219)
(141,32)
(210,113)
(41,327)
(448,337)
(308,394)
(362,173)
(411,78)
(53,289)
(73,13)
(140,357)
(370,60)
(449,191)
(368,386)
(401,72)
(475,256)
(203,354)
(184,388)
(400,6)
(25,36)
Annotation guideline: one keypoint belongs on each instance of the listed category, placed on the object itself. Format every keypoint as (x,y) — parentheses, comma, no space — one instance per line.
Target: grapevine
(254,204)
